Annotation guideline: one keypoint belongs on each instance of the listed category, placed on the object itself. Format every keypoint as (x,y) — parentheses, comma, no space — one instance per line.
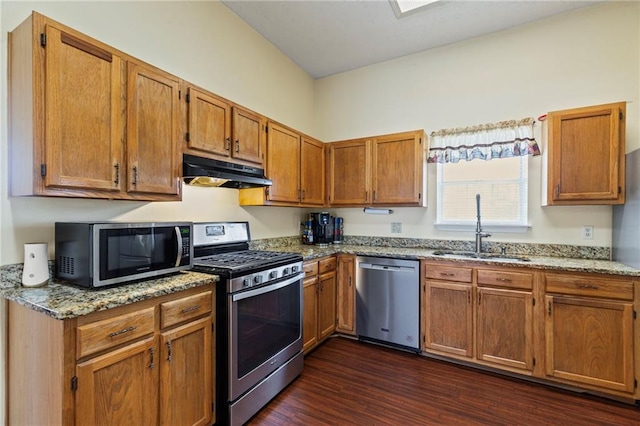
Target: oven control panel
(264,277)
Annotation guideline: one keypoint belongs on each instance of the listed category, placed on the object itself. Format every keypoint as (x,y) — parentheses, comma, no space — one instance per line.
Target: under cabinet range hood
(202,171)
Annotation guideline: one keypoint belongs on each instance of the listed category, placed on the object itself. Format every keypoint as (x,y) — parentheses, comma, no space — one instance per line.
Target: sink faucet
(479,234)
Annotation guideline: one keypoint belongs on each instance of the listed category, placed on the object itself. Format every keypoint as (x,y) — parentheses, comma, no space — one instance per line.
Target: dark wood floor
(351,383)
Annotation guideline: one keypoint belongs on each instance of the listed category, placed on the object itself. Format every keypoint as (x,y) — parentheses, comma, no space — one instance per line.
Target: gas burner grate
(241,258)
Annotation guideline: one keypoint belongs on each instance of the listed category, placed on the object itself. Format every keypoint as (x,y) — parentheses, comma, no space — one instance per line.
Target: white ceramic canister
(35,271)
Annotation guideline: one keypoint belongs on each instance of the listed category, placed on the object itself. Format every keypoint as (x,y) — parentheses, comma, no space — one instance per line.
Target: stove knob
(294,269)
(273,275)
(257,279)
(246,282)
(285,272)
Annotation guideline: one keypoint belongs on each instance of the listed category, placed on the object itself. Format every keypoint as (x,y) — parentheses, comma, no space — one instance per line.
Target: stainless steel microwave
(97,254)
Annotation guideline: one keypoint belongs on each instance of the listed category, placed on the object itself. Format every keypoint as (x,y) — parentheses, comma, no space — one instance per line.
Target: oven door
(265,331)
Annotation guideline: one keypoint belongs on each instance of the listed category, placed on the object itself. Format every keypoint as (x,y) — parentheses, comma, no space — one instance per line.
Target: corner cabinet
(346,294)
(71,99)
(586,156)
(148,363)
(296,165)
(387,170)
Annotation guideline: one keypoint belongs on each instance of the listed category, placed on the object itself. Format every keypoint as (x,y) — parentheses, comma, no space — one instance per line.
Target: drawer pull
(588,286)
(447,274)
(123,331)
(190,309)
(504,280)
(169,351)
(151,365)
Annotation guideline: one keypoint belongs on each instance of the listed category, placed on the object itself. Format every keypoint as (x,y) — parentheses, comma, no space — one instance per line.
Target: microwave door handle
(179,238)
(267,288)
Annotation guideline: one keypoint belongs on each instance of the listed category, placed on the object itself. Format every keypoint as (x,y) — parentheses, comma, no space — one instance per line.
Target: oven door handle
(267,288)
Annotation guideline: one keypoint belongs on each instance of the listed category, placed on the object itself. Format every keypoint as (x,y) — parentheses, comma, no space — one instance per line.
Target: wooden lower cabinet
(319,301)
(117,366)
(448,317)
(346,294)
(589,332)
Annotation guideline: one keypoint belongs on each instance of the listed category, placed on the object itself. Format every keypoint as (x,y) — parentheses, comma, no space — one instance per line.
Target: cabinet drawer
(100,335)
(589,286)
(508,279)
(310,268)
(448,273)
(180,310)
(326,265)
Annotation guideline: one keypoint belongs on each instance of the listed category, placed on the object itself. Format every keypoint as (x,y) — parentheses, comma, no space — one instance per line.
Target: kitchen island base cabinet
(96,369)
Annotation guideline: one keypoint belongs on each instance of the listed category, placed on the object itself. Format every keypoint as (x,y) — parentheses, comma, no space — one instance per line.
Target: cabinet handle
(227,145)
(299,194)
(468,296)
(447,274)
(237,145)
(557,190)
(374,195)
(151,351)
(190,309)
(303,194)
(504,280)
(349,281)
(479,298)
(169,351)
(135,175)
(588,286)
(117,167)
(549,310)
(123,331)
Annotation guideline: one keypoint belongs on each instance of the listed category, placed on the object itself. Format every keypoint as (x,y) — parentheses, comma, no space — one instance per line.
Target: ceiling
(326,37)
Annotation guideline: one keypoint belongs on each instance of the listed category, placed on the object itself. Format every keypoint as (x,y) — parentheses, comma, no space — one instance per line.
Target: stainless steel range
(259,318)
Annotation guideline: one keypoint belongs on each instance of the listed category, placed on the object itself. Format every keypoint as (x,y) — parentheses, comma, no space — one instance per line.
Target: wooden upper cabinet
(350,172)
(312,172)
(586,149)
(283,164)
(153,131)
(383,170)
(77,106)
(397,172)
(248,136)
(208,124)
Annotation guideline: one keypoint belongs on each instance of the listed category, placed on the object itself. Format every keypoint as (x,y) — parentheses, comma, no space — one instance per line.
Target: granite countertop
(61,301)
(535,262)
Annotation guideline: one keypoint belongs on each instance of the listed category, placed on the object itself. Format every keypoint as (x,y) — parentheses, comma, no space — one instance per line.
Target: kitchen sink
(474,255)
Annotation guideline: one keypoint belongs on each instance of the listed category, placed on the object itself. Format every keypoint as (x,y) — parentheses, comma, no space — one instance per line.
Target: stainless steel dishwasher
(388,301)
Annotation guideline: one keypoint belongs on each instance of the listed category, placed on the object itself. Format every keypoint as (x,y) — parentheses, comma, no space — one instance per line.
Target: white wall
(587,57)
(199,41)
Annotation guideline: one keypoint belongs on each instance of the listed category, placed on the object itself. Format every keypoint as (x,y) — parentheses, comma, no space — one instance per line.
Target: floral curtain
(505,139)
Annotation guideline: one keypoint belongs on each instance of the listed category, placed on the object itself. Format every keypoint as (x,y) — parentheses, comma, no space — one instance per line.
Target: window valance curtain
(505,139)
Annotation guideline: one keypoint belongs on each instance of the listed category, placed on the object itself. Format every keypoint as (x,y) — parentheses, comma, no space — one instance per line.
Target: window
(464,170)
(502,185)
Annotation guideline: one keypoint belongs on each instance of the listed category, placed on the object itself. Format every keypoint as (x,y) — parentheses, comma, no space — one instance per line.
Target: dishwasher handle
(386,267)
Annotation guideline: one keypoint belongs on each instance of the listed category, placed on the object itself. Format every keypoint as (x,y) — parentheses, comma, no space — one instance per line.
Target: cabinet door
(152,131)
(590,341)
(448,317)
(586,155)
(397,169)
(283,164)
(326,304)
(350,172)
(84,123)
(312,172)
(310,313)
(185,370)
(505,327)
(346,295)
(209,121)
(119,388)
(248,136)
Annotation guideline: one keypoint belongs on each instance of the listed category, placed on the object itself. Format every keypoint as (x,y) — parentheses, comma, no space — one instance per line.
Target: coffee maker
(322,228)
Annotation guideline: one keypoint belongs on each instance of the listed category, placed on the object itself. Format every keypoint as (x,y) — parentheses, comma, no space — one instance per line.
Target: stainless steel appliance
(388,301)
(626,217)
(259,318)
(97,254)
(201,171)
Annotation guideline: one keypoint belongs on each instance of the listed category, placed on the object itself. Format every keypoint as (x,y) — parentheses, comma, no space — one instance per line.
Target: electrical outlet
(396,227)
(587,232)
